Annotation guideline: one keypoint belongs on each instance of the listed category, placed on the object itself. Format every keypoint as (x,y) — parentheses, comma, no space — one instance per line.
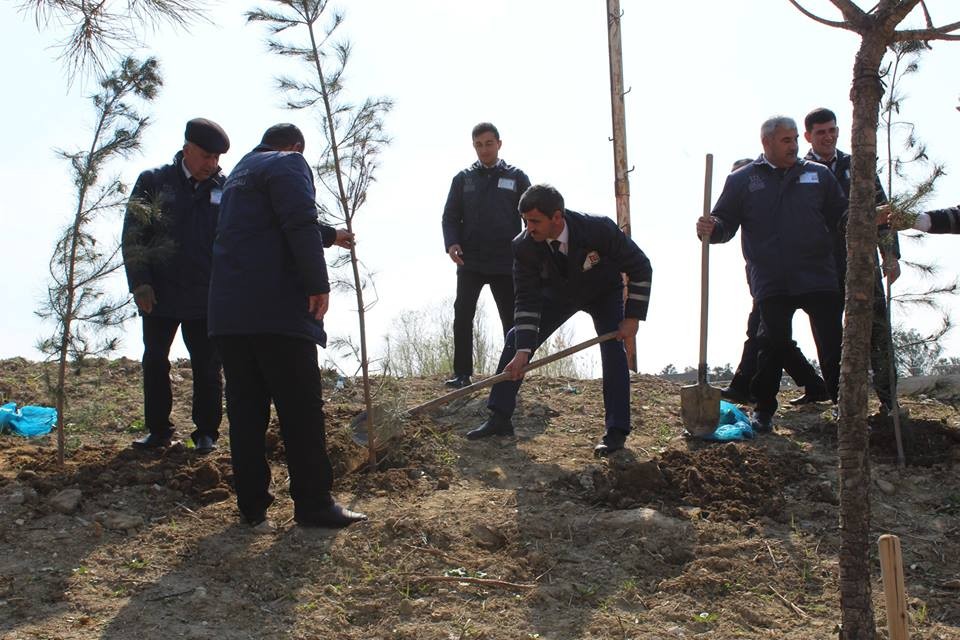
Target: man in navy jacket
(479,220)
(566,262)
(821,132)
(268,296)
(167,244)
(789,210)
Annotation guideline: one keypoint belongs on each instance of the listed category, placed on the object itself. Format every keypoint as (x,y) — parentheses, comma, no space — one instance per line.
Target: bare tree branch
(816,18)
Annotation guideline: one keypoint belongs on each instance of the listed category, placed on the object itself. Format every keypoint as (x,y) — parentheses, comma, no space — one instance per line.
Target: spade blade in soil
(700,408)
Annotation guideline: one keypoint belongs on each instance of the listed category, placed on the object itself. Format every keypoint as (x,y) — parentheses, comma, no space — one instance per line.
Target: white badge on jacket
(507,183)
(810,177)
(215,195)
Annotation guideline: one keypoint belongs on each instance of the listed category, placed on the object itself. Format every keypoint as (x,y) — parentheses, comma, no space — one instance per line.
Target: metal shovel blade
(700,408)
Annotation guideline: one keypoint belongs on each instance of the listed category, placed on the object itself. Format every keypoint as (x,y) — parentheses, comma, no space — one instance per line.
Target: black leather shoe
(810,396)
(204,445)
(612,441)
(152,441)
(333,517)
(761,422)
(496,425)
(736,395)
(458,382)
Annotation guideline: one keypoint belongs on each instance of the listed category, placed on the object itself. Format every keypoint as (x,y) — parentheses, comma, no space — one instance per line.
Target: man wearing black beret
(167,244)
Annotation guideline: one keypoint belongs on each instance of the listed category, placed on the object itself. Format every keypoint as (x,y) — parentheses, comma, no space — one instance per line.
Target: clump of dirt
(730,482)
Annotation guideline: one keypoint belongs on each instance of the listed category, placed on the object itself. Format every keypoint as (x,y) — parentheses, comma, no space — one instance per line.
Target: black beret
(208,135)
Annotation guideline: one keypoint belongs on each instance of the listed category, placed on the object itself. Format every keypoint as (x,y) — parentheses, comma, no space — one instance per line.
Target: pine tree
(83,314)
(353,133)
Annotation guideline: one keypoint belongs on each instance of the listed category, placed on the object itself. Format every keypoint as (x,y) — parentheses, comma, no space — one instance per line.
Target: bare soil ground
(523,537)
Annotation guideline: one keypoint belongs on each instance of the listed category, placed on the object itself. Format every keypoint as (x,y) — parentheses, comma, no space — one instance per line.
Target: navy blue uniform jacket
(597,253)
(789,221)
(481,216)
(945,220)
(167,239)
(268,255)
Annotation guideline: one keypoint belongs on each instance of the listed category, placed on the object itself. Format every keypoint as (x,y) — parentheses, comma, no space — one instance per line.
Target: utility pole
(621,183)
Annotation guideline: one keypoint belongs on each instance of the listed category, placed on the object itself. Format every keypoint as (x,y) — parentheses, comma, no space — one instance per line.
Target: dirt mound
(925,442)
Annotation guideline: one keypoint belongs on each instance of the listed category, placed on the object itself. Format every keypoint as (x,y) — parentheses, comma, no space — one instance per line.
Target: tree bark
(853,444)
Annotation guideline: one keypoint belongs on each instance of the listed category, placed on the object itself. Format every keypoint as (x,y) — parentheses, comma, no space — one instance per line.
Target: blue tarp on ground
(734,424)
(28,421)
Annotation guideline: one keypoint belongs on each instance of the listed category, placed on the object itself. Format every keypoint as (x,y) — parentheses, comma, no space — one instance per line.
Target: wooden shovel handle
(500,377)
(705,273)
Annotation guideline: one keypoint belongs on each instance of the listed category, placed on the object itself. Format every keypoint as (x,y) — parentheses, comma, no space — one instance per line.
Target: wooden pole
(621,184)
(891,568)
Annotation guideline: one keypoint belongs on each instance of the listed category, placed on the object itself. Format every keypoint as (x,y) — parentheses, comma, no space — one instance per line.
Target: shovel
(388,428)
(700,403)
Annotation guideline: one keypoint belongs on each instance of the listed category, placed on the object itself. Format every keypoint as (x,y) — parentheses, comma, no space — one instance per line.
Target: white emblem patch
(810,177)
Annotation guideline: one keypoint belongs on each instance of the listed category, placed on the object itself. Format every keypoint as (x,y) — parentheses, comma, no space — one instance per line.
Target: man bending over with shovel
(564,262)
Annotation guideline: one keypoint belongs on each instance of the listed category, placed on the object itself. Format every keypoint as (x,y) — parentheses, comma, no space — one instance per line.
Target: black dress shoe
(736,395)
(333,517)
(458,381)
(761,422)
(612,441)
(204,444)
(152,441)
(496,425)
(810,396)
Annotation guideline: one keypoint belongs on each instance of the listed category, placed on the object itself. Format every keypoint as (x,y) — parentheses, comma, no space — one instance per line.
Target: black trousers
(207,412)
(607,312)
(285,370)
(880,346)
(795,363)
(469,286)
(825,310)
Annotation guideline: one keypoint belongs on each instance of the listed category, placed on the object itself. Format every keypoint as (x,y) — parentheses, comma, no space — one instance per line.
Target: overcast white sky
(703,76)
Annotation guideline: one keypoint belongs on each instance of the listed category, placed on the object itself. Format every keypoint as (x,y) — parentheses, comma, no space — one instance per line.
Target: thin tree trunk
(348,218)
(853,443)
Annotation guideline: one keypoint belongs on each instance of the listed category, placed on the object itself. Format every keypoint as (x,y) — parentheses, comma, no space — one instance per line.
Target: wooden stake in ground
(621,184)
(891,568)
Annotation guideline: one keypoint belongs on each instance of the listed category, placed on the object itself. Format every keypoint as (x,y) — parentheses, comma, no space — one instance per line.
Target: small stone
(690,513)
(952,584)
(443,484)
(199,593)
(886,486)
(66,501)
(16,497)
(810,470)
(119,521)
(488,538)
(406,607)
(19,522)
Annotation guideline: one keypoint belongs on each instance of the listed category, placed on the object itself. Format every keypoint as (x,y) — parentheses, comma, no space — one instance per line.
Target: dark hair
(742,162)
(282,136)
(541,197)
(485,127)
(820,115)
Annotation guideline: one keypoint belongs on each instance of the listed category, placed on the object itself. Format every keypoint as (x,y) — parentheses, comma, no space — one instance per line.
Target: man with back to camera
(789,209)
(566,262)
(821,132)
(167,245)
(480,220)
(795,363)
(268,295)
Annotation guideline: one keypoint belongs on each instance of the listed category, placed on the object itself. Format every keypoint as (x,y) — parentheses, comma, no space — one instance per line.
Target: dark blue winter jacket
(167,240)
(597,253)
(481,216)
(268,255)
(789,218)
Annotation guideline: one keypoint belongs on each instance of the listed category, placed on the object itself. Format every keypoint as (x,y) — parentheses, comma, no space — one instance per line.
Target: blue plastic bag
(29,421)
(734,424)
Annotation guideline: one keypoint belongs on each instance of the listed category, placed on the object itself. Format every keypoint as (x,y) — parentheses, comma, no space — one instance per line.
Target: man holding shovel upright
(788,208)
(566,262)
